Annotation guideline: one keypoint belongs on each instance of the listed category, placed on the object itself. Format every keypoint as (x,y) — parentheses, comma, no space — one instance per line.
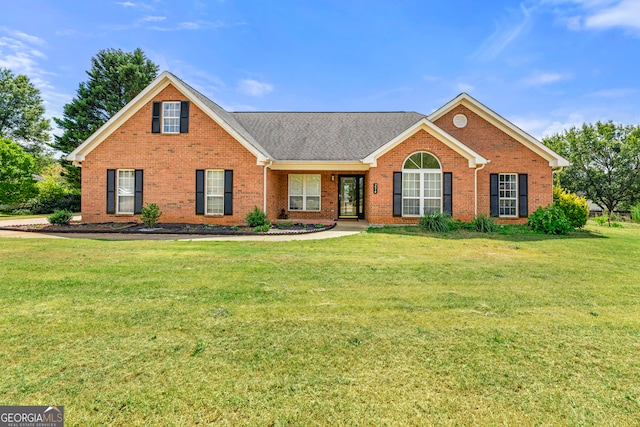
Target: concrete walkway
(342,228)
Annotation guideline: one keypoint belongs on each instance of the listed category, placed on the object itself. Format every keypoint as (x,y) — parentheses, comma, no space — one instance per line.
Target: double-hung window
(508,194)
(126,191)
(214,200)
(304,192)
(421,185)
(171,117)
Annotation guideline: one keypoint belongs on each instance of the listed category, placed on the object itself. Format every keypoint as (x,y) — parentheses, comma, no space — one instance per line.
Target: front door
(351,196)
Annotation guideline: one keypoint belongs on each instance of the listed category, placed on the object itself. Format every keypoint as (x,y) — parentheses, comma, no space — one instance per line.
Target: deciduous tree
(605,161)
(22,112)
(16,173)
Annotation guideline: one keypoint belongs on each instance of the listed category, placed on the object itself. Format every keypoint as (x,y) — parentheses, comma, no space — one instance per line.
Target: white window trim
(206,194)
(163,117)
(421,196)
(304,193)
(509,198)
(118,211)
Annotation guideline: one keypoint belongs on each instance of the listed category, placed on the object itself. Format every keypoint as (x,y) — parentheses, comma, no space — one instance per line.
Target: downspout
(475,189)
(554,171)
(264,192)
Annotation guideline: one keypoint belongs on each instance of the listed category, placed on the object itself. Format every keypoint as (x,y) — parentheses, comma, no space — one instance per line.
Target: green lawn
(373,329)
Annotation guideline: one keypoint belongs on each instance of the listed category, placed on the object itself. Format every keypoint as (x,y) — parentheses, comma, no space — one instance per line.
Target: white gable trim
(151,91)
(504,125)
(474,158)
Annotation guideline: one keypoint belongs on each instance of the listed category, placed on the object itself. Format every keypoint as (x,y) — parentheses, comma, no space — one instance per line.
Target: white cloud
(555,127)
(533,126)
(613,93)
(598,14)
(539,78)
(191,26)
(505,33)
(130,4)
(19,52)
(464,87)
(625,14)
(69,32)
(153,18)
(254,88)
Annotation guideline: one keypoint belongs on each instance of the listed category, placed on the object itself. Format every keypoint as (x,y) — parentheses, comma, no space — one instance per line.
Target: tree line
(605,156)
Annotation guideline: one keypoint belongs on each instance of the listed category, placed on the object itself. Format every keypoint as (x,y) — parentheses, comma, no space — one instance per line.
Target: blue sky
(546,65)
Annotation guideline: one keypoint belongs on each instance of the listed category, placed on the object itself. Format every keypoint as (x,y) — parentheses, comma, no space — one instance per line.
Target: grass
(376,329)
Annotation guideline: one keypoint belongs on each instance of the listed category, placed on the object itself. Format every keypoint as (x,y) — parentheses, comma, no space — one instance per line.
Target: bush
(635,213)
(601,219)
(436,222)
(257,218)
(575,208)
(484,224)
(36,205)
(60,217)
(150,214)
(262,228)
(549,220)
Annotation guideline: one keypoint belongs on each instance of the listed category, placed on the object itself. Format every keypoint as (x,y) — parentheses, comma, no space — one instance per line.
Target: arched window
(421,185)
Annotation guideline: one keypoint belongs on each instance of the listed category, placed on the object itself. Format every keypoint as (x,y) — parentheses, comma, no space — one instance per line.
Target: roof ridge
(327,112)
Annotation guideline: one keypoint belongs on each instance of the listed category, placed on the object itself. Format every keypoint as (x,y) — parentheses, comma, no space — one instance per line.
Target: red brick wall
(506,155)
(379,207)
(169,163)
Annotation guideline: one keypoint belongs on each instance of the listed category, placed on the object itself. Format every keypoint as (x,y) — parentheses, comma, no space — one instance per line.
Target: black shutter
(228,192)
(523,190)
(184,117)
(494,193)
(447,193)
(137,204)
(155,117)
(111,191)
(200,192)
(397,194)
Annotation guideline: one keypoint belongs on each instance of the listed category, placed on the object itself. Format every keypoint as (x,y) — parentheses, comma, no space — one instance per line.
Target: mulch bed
(169,228)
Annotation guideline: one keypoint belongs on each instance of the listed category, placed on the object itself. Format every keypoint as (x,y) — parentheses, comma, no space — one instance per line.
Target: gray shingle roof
(314,135)
(324,136)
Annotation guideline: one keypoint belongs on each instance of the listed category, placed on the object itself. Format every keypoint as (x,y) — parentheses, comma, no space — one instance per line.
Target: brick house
(173,146)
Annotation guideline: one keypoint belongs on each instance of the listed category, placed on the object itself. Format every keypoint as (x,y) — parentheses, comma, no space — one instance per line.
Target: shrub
(635,213)
(484,224)
(60,217)
(262,228)
(435,222)
(575,208)
(150,214)
(549,220)
(601,219)
(257,218)
(69,201)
